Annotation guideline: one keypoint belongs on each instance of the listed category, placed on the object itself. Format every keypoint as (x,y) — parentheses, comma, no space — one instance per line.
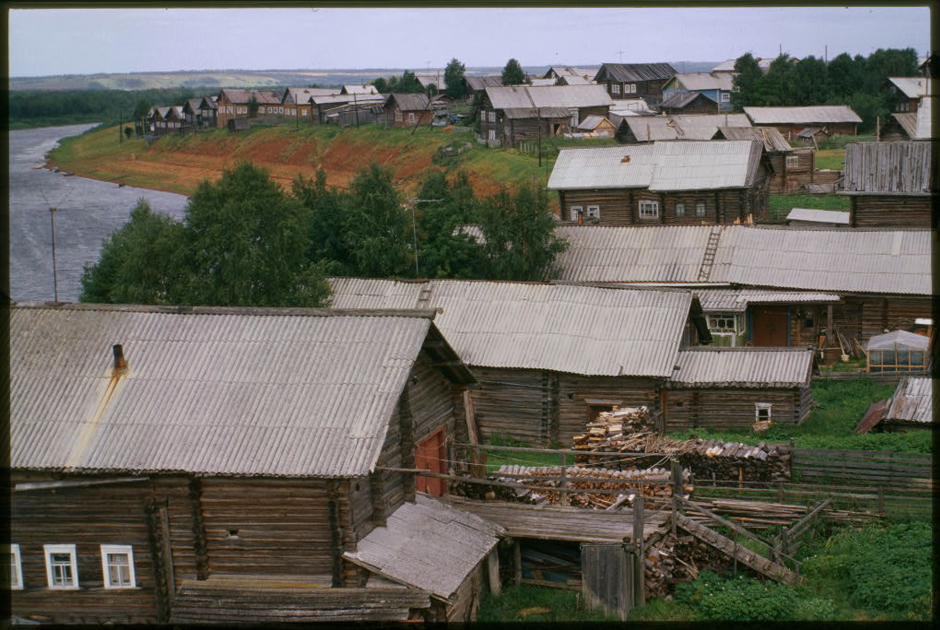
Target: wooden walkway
(743,555)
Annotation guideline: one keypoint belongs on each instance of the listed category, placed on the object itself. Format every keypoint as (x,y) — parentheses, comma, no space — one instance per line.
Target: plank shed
(732,388)
(809,217)
(789,167)
(831,120)
(911,407)
(177,448)
(407,110)
(635,80)
(891,184)
(664,183)
(547,357)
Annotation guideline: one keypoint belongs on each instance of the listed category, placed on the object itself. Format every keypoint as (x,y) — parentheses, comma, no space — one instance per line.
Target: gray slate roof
(703,81)
(563,328)
(912,87)
(678,100)
(427,545)
(744,367)
(479,83)
(912,401)
(737,300)
(663,166)
(888,168)
(269,392)
(819,216)
(681,126)
(773,140)
(816,114)
(569,96)
(632,72)
(409,102)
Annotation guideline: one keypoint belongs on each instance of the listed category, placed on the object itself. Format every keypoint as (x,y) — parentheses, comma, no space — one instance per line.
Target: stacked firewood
(670,560)
(715,459)
(620,486)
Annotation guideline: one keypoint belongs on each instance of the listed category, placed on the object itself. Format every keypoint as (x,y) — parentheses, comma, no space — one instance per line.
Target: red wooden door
(770,326)
(430,454)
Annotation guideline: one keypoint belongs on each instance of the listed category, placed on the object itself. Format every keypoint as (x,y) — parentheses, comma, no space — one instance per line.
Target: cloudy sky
(87,41)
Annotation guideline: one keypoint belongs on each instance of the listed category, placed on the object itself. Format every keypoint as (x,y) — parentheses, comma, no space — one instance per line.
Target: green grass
(833,159)
(495,459)
(839,142)
(779,206)
(526,602)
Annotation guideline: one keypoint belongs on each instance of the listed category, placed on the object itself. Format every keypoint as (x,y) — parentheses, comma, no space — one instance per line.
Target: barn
(789,167)
(830,120)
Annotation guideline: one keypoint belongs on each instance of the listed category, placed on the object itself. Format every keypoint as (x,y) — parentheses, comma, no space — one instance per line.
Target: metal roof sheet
(744,367)
(332,99)
(802,115)
(683,127)
(591,122)
(564,328)
(625,166)
(888,168)
(409,102)
(819,216)
(216,391)
(628,72)
(704,81)
(480,83)
(737,300)
(773,140)
(301,96)
(678,100)
(900,338)
(912,401)
(912,87)
(525,96)
(428,545)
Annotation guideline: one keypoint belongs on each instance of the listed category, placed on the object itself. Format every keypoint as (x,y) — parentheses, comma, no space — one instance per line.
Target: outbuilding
(830,120)
(789,168)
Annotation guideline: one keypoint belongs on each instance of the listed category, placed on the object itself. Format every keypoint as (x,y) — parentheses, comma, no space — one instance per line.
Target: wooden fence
(889,469)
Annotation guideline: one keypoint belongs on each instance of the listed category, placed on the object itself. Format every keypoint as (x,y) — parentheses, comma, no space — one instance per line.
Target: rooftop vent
(120,363)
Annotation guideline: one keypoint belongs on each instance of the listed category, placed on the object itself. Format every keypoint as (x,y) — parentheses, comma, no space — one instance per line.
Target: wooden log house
(829,120)
(715,87)
(171,452)
(909,126)
(907,92)
(890,184)
(789,167)
(635,80)
(407,110)
(643,129)
(666,183)
(687,103)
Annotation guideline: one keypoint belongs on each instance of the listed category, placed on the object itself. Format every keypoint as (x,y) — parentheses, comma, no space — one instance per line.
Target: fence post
(881,499)
(639,566)
(784,541)
(780,491)
(676,489)
(564,479)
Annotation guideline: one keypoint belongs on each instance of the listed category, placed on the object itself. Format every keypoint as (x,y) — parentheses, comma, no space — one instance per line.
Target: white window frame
(629,88)
(16,567)
(593,212)
(701,208)
(714,328)
(793,161)
(105,568)
(649,209)
(303,112)
(48,550)
(680,209)
(726,97)
(758,407)
(575,211)
(615,88)
(491,116)
(411,117)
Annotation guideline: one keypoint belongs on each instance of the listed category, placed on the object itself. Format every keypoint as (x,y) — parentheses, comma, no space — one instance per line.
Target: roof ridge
(270,311)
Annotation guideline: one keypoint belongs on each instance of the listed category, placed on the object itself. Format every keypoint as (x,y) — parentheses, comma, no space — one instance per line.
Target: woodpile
(619,487)
(670,560)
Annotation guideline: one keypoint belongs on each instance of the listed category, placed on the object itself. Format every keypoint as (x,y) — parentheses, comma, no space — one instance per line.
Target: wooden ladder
(709,259)
(743,555)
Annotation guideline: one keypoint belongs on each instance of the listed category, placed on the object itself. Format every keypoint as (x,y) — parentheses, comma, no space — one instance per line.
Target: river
(87,211)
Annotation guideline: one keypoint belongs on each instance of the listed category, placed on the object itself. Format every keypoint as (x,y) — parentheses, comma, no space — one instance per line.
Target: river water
(88,211)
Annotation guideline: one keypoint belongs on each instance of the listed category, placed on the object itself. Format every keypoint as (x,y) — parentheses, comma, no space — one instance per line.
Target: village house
(156,119)
(174,119)
(635,80)
(679,93)
(889,184)
(547,357)
(639,129)
(231,104)
(360,90)
(908,92)
(566,75)
(298,100)
(676,183)
(208,110)
(882,276)
(476,85)
(192,113)
(512,114)
(407,110)
(325,108)
(909,125)
(790,167)
(825,120)
(218,462)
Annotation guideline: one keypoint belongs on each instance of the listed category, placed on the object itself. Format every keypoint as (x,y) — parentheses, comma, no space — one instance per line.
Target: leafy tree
(408,83)
(141,109)
(381,84)
(844,75)
(746,83)
(520,236)
(444,250)
(326,212)
(780,82)
(454,79)
(513,73)
(253,106)
(140,263)
(811,81)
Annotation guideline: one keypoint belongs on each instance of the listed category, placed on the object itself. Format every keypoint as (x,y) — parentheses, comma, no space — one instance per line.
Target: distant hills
(263,78)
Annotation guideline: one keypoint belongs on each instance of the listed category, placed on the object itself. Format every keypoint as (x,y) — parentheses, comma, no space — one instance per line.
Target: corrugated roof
(564,328)
(737,300)
(480,83)
(704,81)
(912,87)
(359,89)
(409,102)
(877,168)
(591,122)
(744,367)
(629,72)
(819,216)
(912,401)
(773,140)
(817,114)
(427,545)
(332,99)
(301,96)
(663,166)
(678,100)
(525,96)
(217,391)
(683,127)
(901,338)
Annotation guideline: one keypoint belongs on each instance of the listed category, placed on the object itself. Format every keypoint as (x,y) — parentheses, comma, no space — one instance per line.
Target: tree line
(245,241)
(859,82)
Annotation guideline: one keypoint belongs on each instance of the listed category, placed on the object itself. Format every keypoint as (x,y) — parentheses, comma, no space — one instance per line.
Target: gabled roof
(682,127)
(208,102)
(480,83)
(912,401)
(591,123)
(358,89)
(702,81)
(408,102)
(663,166)
(526,96)
(266,392)
(301,96)
(912,87)
(633,72)
(744,367)
(679,100)
(773,140)
(562,328)
(888,168)
(817,114)
(192,105)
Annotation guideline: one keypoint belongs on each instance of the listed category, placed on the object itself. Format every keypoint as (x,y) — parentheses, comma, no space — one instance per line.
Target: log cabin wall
(620,207)
(574,391)
(466,599)
(879,313)
(88,517)
(527,129)
(730,408)
(513,403)
(806,323)
(800,170)
(897,211)
(598,110)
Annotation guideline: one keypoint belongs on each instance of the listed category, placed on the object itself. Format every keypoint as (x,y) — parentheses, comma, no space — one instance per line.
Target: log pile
(670,560)
(620,486)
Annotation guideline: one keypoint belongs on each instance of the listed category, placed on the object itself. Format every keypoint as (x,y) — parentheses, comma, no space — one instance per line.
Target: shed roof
(563,328)
(773,140)
(901,338)
(630,72)
(408,102)
(918,125)
(818,114)
(744,367)
(663,166)
(888,168)
(682,127)
(427,545)
(737,300)
(912,401)
(811,215)
(703,81)
(268,392)
(912,87)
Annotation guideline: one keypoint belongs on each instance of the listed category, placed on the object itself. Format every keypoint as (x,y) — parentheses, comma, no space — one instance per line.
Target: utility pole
(356,109)
(120,125)
(538,113)
(55,279)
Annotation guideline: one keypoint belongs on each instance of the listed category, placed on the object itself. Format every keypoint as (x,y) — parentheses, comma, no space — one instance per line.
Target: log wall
(574,390)
(513,403)
(620,207)
(731,408)
(466,599)
(877,314)
(895,211)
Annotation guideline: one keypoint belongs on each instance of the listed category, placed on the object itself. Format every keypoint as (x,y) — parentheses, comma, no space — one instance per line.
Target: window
(594,212)
(793,161)
(61,566)
(762,412)
(722,323)
(491,116)
(700,208)
(303,112)
(649,209)
(397,115)
(280,110)
(575,211)
(680,209)
(615,88)
(809,321)
(411,117)
(15,576)
(726,97)
(629,88)
(117,564)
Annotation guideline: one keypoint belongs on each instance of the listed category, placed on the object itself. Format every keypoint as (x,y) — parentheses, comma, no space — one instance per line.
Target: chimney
(120,363)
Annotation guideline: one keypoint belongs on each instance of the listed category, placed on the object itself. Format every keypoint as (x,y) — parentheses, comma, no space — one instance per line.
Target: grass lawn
(830,159)
(537,603)
(495,459)
(779,206)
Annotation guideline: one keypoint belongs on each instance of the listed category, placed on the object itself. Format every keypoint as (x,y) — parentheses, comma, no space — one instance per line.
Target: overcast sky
(87,41)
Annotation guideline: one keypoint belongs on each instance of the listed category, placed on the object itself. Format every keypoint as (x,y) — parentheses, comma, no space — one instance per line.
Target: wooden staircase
(743,555)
